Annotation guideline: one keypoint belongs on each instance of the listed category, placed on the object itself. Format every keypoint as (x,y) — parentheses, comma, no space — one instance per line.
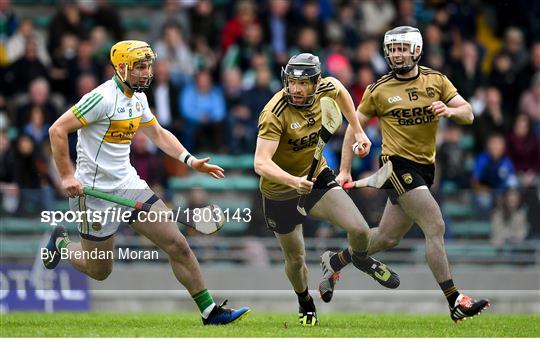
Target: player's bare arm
(347,154)
(346,104)
(169,144)
(266,167)
(457,109)
(58,134)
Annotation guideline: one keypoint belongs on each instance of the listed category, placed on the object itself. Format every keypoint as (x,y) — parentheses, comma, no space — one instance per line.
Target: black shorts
(282,216)
(407,175)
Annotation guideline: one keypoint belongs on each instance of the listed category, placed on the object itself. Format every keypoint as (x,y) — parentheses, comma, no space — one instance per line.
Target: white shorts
(100,219)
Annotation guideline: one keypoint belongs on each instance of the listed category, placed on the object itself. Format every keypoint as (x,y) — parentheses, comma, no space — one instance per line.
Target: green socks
(204,302)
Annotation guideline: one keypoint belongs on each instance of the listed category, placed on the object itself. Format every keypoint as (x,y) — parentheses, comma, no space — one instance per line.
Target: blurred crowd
(219,62)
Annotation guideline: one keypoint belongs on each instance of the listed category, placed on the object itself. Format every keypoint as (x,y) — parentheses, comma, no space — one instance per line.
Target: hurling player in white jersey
(106,120)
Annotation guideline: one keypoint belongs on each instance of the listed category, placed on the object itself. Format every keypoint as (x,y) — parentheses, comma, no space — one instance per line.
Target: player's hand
(343,178)
(440,109)
(72,187)
(303,186)
(203,166)
(362,146)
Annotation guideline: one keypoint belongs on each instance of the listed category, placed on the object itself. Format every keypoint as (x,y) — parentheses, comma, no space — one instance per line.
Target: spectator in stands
(8,20)
(466,72)
(101,43)
(376,16)
(504,77)
(204,56)
(509,220)
(243,51)
(36,127)
(364,77)
(67,20)
(347,23)
(25,69)
(442,19)
(203,108)
(529,103)
(84,62)
(256,97)
(61,59)
(170,12)
(85,83)
(232,87)
(515,48)
(107,15)
(148,164)
(492,120)
(434,53)
(163,97)
(339,66)
(39,97)
(367,53)
(205,24)
(493,172)
(406,15)
(174,48)
(31,177)
(16,45)
(523,147)
(259,61)
(243,116)
(9,190)
(49,167)
(307,42)
(310,16)
(277,27)
(452,158)
(525,77)
(234,28)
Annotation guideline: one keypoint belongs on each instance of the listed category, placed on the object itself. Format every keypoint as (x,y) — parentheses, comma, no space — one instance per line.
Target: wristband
(186,158)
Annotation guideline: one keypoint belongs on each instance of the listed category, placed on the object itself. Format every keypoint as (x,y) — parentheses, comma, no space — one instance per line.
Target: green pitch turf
(263,325)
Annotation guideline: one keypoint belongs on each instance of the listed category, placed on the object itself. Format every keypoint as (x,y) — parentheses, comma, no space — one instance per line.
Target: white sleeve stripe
(89,104)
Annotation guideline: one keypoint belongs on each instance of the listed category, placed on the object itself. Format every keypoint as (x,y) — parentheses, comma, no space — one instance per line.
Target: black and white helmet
(403,35)
(304,66)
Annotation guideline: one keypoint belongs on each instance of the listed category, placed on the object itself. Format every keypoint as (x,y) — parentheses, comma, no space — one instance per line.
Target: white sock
(458,299)
(208,310)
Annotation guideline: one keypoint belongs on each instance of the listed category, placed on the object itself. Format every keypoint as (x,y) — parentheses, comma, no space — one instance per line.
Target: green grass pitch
(260,324)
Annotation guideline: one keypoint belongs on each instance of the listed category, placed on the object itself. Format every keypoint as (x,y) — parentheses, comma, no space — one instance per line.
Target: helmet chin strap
(137,89)
(404,69)
(407,68)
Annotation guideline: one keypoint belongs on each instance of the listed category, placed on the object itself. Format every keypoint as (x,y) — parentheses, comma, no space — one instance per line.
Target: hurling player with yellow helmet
(106,120)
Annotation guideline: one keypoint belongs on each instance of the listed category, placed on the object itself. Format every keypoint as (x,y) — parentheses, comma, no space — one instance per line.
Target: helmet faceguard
(126,57)
(406,39)
(304,66)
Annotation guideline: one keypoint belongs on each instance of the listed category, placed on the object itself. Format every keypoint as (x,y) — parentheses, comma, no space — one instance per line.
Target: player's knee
(436,229)
(359,231)
(177,248)
(390,242)
(296,260)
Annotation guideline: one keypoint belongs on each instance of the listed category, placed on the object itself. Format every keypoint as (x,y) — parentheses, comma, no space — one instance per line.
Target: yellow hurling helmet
(127,53)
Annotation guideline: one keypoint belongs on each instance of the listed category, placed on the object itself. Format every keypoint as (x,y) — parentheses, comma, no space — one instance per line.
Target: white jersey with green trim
(110,120)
